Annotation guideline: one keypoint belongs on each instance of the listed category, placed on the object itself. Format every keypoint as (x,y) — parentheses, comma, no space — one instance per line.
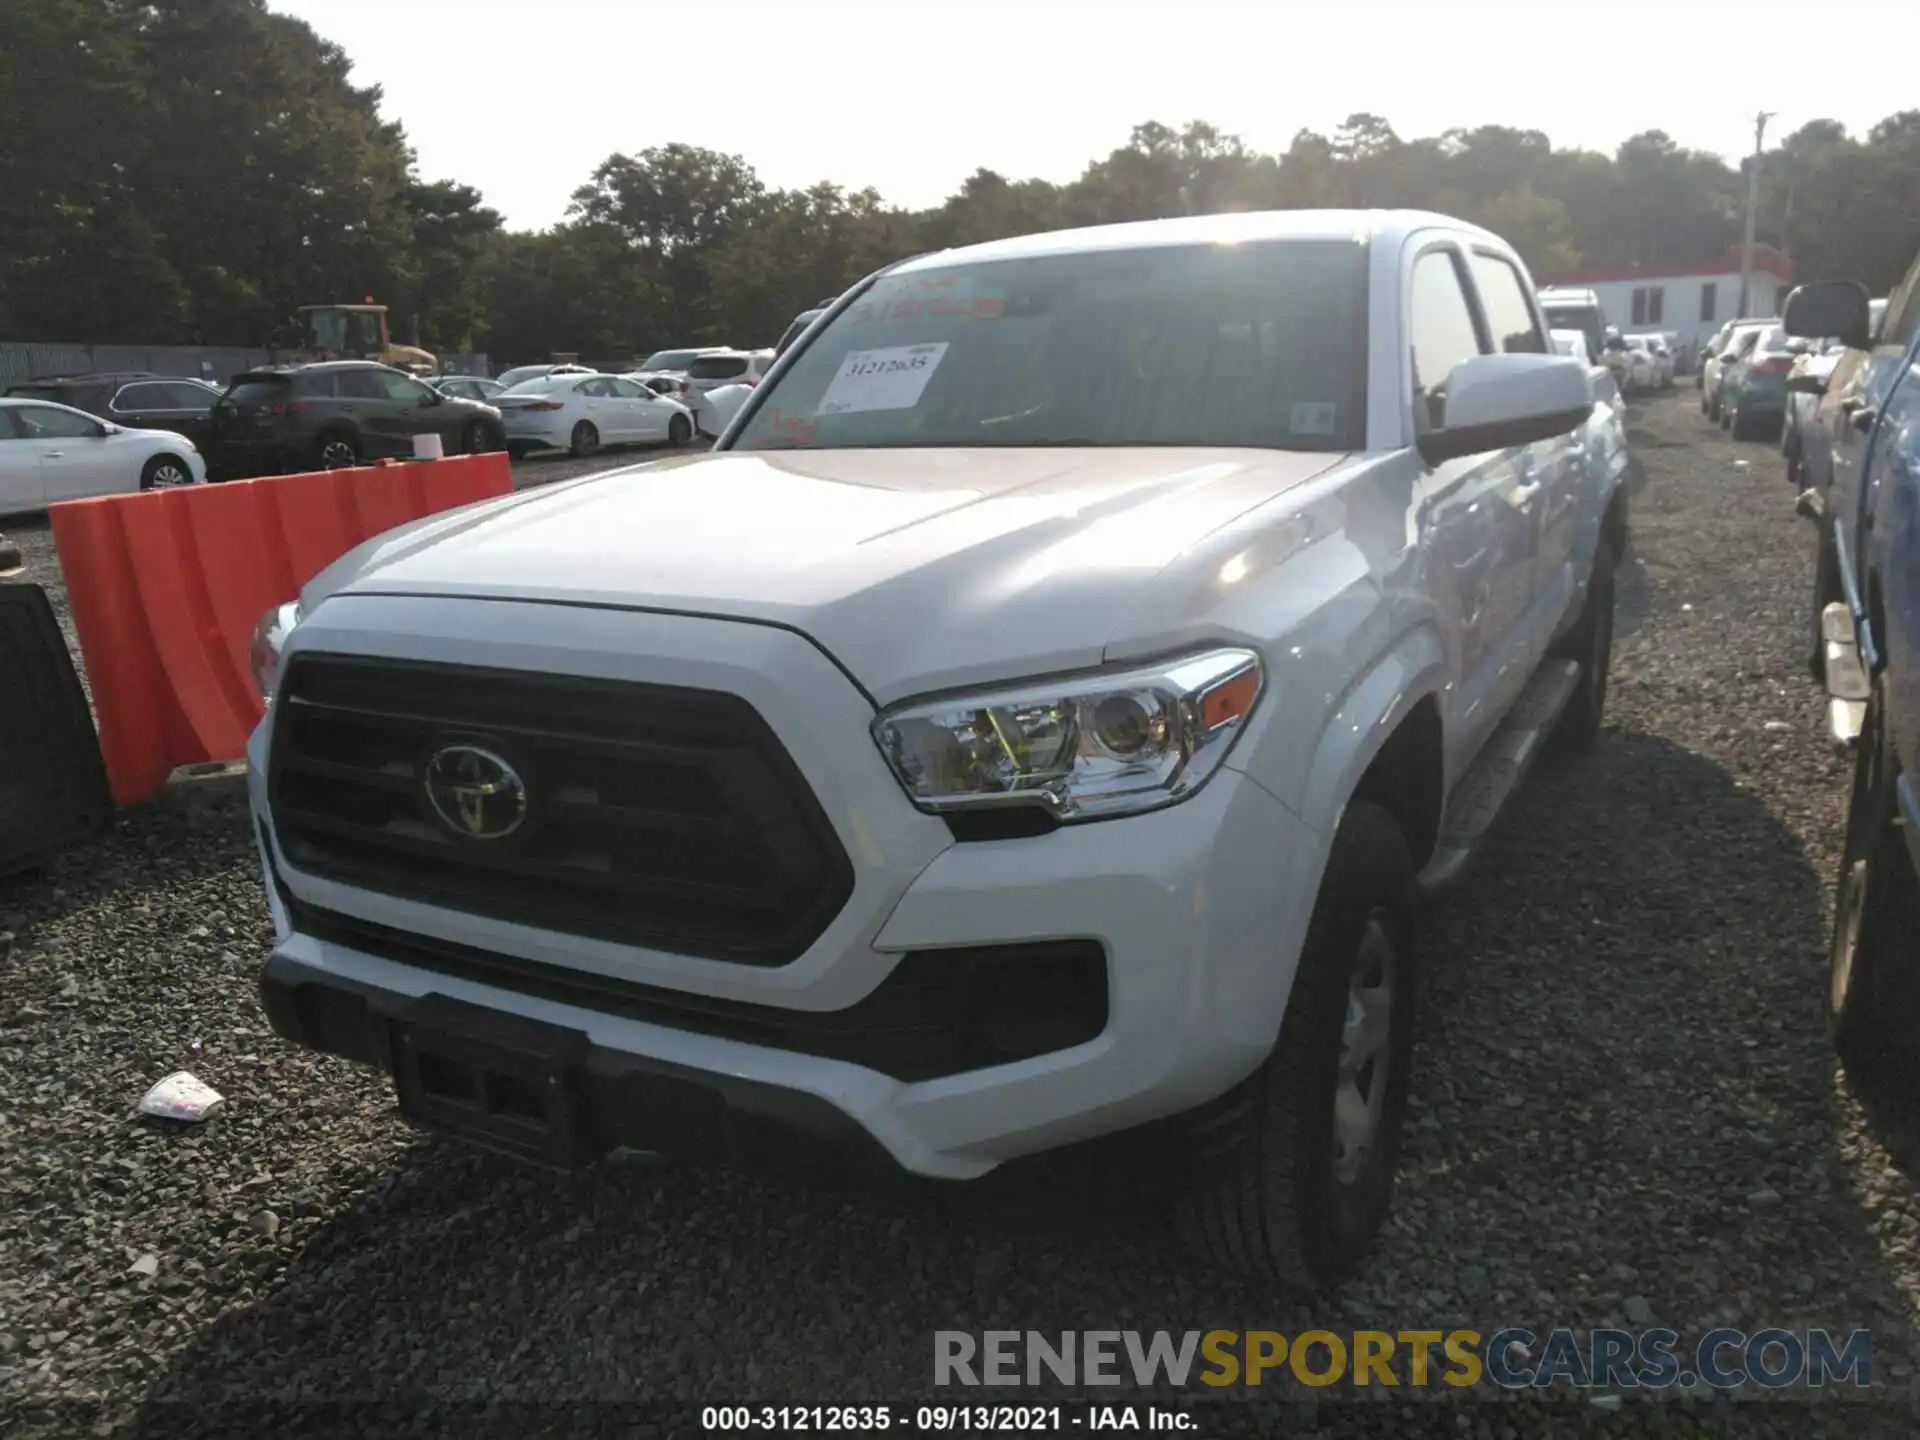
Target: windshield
(347,332)
(669,360)
(1259,344)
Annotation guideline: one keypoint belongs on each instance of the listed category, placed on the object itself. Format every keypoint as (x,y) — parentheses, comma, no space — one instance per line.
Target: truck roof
(1206,230)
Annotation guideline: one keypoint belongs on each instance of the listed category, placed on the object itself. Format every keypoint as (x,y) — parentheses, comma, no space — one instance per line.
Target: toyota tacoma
(1037,721)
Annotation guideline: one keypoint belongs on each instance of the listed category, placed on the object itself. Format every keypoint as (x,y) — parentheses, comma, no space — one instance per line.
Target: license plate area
(498,1081)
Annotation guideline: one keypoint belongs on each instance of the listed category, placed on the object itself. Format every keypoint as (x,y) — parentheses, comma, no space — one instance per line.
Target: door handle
(1523,495)
(53,454)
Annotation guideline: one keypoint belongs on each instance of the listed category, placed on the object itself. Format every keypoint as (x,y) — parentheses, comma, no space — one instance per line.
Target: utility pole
(1753,206)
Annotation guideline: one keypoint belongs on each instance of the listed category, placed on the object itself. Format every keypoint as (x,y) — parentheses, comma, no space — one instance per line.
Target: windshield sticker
(939,307)
(1313,417)
(889,379)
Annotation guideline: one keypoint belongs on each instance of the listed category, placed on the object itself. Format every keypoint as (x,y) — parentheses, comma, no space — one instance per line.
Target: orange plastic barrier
(166,588)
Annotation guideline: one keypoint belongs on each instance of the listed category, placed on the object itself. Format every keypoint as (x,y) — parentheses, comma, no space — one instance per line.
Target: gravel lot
(1626,1111)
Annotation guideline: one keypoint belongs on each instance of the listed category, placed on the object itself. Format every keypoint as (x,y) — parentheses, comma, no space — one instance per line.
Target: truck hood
(916,569)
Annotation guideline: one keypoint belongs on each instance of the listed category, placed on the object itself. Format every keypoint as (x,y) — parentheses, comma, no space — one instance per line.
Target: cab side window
(1516,330)
(1441,331)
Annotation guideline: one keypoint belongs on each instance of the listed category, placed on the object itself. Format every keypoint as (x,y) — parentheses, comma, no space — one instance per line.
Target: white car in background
(1662,353)
(50,453)
(1572,342)
(520,373)
(728,367)
(714,409)
(582,413)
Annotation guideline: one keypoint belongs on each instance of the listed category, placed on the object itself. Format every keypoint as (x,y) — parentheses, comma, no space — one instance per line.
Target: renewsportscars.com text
(1511,1358)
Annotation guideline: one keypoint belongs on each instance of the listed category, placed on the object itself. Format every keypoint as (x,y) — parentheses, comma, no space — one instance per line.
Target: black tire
(1873,961)
(335,450)
(1826,590)
(165,472)
(1740,427)
(518,452)
(1725,417)
(1590,642)
(584,441)
(1269,1198)
(475,439)
(679,430)
(1704,408)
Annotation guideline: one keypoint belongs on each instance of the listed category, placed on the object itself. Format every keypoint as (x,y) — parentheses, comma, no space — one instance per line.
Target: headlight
(269,639)
(1081,747)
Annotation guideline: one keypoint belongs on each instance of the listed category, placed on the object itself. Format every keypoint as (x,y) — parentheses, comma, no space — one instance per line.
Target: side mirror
(1836,308)
(1495,402)
(433,397)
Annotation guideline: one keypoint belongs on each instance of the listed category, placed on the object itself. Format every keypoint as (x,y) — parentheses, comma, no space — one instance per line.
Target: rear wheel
(336,450)
(163,472)
(1295,1165)
(585,441)
(1873,971)
(679,430)
(1590,643)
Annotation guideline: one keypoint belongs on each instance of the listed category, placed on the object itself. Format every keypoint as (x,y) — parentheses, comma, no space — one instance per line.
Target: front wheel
(1873,969)
(476,440)
(1295,1165)
(679,430)
(163,472)
(585,441)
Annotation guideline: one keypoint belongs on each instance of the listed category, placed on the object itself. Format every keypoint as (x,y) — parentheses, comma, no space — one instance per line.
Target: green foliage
(194,170)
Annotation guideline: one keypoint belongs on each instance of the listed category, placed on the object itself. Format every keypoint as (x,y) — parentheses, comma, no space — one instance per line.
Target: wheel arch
(1386,740)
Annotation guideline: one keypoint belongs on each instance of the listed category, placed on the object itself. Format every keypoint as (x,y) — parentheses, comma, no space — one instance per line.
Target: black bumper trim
(623,1099)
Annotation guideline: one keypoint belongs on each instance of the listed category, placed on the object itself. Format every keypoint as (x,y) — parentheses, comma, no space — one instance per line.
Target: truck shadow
(1624,996)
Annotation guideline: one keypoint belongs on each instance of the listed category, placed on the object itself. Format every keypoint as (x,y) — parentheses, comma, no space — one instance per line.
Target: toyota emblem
(477,794)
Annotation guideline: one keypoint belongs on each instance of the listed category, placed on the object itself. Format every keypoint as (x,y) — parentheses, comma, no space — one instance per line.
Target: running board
(1494,778)
(1844,676)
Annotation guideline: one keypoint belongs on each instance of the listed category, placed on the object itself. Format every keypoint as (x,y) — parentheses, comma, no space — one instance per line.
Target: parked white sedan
(50,453)
(582,413)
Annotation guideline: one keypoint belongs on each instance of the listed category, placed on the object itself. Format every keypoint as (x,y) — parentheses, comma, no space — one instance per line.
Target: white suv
(977,753)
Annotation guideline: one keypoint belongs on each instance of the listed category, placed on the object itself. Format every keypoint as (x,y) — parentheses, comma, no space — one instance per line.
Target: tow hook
(1811,505)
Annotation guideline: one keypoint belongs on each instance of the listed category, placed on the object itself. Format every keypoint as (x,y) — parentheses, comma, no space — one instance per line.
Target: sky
(523,99)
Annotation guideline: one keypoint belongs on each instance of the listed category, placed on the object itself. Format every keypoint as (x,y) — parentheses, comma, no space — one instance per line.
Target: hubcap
(169,475)
(1366,1052)
(336,455)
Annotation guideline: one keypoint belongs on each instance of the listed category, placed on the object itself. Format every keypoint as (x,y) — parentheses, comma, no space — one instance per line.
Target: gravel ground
(1625,1112)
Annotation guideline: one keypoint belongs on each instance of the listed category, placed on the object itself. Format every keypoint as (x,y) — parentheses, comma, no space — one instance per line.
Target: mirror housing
(1838,309)
(1496,402)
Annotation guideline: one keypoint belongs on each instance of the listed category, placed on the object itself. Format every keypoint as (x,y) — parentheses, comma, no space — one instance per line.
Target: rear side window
(717,367)
(147,396)
(258,392)
(1440,326)
(1509,316)
(358,385)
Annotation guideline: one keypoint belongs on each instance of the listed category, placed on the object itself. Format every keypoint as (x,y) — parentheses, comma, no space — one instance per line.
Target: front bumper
(1185,903)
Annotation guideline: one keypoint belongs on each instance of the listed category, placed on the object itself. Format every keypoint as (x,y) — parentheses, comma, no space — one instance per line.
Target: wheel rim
(169,474)
(336,455)
(1366,1052)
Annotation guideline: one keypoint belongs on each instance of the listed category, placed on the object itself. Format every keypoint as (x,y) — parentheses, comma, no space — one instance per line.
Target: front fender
(1410,669)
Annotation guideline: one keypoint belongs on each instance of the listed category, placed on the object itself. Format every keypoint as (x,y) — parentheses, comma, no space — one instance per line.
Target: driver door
(1480,529)
(642,415)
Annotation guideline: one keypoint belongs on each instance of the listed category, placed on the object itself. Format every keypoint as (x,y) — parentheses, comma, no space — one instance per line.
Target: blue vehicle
(1755,393)
(1869,514)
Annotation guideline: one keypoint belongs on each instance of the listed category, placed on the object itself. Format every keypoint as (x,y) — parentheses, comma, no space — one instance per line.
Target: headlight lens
(269,639)
(1082,747)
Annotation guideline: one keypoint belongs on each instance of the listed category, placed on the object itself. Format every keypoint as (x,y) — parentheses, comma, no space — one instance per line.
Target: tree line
(192,171)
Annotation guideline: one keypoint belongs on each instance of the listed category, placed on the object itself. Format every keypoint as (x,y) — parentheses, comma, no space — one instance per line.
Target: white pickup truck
(1036,723)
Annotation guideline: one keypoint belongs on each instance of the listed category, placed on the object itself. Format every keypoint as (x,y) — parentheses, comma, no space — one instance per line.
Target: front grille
(939,1012)
(656,815)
